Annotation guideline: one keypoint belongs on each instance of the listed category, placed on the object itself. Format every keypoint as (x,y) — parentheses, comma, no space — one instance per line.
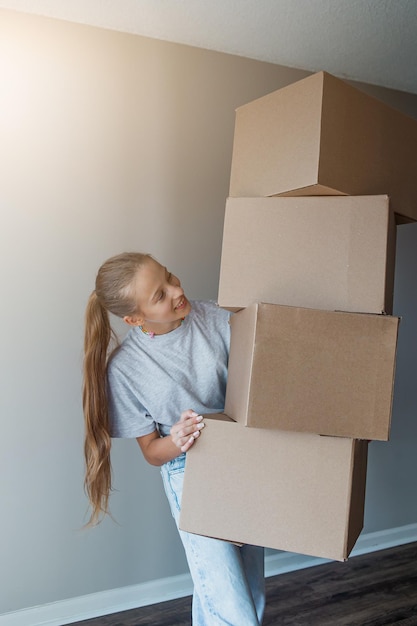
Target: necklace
(152,334)
(147,332)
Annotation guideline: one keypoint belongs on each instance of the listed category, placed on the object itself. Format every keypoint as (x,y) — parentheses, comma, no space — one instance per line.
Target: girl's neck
(153,328)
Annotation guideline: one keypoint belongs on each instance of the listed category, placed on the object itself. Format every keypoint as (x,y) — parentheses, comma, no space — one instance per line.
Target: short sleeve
(128,417)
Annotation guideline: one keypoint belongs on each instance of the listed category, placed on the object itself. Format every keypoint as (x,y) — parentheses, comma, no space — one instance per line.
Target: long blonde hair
(113,293)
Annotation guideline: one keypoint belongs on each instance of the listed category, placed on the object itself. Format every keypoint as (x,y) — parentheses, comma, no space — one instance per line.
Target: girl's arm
(159,450)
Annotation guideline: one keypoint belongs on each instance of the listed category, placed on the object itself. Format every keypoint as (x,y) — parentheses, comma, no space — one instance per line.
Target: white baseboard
(134,596)
(283,562)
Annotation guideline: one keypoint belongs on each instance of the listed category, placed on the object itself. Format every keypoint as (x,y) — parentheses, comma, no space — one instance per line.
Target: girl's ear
(133,320)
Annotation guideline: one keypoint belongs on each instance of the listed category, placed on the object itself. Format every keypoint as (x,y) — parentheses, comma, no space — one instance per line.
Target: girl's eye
(161,295)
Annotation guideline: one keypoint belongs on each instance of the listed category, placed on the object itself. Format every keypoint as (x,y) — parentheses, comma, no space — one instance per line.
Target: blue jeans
(229,581)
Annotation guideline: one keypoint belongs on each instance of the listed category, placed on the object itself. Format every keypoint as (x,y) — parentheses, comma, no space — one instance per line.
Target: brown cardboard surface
(308,370)
(320,252)
(322,131)
(288,491)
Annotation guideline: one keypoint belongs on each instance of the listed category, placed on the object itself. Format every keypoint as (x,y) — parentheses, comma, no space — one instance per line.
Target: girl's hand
(186,431)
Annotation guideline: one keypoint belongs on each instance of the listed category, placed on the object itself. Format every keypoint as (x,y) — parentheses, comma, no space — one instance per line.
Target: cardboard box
(288,491)
(321,136)
(321,252)
(307,370)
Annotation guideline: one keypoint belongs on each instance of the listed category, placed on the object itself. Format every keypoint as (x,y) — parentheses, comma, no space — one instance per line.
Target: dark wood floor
(376,589)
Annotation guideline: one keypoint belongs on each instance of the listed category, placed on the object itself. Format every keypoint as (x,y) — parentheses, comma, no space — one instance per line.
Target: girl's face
(160,299)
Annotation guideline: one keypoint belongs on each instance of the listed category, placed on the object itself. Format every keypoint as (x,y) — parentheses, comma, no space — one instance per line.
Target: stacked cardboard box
(321,136)
(290,491)
(307,370)
(309,272)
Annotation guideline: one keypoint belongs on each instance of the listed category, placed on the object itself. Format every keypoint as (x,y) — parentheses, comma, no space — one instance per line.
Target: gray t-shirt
(152,380)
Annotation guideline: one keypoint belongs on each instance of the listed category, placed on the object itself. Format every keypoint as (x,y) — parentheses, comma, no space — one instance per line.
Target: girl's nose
(177,290)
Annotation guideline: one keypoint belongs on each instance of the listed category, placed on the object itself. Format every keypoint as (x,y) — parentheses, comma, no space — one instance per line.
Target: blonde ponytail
(114,293)
(97,442)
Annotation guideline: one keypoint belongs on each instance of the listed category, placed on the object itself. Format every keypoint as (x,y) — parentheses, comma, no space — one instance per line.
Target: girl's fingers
(189,442)
(187,429)
(187,415)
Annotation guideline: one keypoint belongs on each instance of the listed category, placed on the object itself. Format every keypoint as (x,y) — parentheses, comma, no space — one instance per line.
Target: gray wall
(110,142)
(391,490)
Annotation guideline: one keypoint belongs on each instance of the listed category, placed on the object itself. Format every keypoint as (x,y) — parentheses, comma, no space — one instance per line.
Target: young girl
(170,370)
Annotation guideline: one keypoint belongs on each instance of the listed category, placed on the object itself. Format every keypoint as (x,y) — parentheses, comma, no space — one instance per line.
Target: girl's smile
(161,302)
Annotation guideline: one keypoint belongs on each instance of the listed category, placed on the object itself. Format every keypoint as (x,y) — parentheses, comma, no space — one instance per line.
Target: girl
(170,369)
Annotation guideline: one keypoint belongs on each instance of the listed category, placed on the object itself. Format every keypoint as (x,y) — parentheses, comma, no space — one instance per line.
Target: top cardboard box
(321,136)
